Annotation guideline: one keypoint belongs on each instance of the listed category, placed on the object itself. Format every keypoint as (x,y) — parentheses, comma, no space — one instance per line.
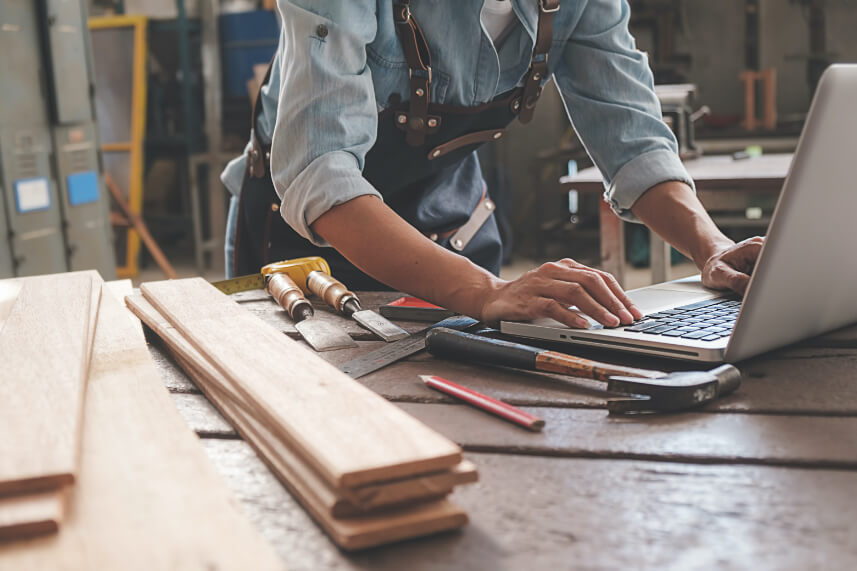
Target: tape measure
(241,283)
(297,269)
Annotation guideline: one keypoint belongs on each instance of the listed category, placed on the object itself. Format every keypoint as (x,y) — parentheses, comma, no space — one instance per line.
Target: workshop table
(722,183)
(766,478)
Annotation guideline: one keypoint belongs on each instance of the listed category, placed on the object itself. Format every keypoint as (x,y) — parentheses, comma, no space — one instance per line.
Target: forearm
(674,213)
(379,242)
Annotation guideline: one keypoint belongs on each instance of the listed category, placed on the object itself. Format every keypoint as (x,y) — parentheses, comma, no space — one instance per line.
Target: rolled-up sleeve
(608,91)
(326,111)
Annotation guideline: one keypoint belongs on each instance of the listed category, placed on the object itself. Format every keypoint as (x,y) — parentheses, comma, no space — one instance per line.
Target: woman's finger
(593,283)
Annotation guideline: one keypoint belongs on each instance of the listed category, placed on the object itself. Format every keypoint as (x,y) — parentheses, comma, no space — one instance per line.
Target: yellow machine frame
(138,129)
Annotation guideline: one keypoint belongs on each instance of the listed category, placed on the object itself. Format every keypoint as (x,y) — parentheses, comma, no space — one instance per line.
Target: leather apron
(423,163)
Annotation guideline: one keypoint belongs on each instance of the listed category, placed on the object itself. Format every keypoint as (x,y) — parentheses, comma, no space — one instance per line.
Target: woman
(364,137)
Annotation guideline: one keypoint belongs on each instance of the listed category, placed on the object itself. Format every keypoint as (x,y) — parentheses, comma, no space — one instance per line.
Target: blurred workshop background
(117,116)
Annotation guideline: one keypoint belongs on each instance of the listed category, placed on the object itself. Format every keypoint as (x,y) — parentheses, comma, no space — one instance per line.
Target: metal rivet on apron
(457,243)
(420,92)
(321,31)
(274,207)
(436,153)
(255,155)
(498,134)
(432,123)
(433,237)
(402,119)
(537,76)
(516,104)
(268,156)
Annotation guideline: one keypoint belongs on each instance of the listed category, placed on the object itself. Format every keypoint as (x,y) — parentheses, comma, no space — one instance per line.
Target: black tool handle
(451,344)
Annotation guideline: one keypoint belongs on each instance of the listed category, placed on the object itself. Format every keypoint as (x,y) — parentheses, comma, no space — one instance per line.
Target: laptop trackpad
(653,299)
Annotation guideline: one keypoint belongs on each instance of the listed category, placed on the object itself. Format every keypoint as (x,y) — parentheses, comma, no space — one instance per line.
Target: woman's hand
(731,268)
(549,291)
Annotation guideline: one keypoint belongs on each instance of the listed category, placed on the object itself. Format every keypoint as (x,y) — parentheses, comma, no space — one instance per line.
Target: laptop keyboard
(707,320)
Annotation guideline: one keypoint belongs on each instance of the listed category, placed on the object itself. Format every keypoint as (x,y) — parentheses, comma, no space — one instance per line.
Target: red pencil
(484,402)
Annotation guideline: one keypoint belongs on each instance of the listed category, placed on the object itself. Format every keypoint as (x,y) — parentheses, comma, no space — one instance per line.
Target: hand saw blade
(398,350)
(380,326)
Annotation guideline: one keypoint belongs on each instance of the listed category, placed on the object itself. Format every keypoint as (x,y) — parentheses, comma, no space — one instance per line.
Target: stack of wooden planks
(97,468)
(367,472)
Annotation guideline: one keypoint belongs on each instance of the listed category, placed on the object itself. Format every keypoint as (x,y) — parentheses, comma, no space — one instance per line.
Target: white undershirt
(496,16)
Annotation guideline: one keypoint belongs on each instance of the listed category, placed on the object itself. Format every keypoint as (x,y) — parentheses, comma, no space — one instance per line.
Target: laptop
(805,280)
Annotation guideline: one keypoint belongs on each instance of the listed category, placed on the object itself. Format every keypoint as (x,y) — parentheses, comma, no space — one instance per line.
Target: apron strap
(539,61)
(256,157)
(416,122)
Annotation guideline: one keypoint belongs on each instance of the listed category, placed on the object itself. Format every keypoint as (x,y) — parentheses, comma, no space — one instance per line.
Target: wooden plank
(146,498)
(349,434)
(203,419)
(347,526)
(42,512)
(688,437)
(29,515)
(45,344)
(207,422)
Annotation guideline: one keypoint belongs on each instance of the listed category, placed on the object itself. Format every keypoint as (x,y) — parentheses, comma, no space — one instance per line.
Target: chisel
(320,335)
(337,296)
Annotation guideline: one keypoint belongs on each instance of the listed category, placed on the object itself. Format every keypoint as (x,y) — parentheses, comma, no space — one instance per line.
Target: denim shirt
(340,61)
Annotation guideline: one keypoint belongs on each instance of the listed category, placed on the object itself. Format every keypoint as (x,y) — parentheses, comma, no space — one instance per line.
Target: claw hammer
(647,391)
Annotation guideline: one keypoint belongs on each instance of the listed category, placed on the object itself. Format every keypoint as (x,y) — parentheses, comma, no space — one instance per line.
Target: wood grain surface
(346,525)
(687,437)
(589,514)
(29,515)
(616,511)
(316,495)
(146,497)
(350,435)
(45,344)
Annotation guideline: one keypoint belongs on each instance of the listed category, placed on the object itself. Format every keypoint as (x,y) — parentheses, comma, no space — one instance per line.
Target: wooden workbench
(764,478)
(722,183)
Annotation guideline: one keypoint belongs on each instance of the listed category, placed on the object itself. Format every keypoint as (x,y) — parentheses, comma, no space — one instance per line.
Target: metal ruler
(241,283)
(398,350)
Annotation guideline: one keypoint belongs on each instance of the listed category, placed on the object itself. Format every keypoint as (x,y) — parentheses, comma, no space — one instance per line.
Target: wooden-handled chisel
(320,335)
(337,296)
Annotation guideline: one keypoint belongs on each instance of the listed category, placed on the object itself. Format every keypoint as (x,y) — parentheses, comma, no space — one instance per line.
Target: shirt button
(321,31)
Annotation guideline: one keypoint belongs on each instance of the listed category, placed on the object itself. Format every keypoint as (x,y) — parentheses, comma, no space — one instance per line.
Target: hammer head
(674,392)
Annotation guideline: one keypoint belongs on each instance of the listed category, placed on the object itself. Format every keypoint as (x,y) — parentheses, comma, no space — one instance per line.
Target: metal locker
(22,78)
(66,60)
(6,268)
(32,208)
(85,206)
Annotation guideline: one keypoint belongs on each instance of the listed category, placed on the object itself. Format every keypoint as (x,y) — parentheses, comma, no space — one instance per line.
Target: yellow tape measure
(297,269)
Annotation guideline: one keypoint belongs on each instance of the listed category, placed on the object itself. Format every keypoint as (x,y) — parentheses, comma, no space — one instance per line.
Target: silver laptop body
(805,281)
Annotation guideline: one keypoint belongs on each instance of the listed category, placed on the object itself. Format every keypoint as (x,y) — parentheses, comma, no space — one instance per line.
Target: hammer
(649,391)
